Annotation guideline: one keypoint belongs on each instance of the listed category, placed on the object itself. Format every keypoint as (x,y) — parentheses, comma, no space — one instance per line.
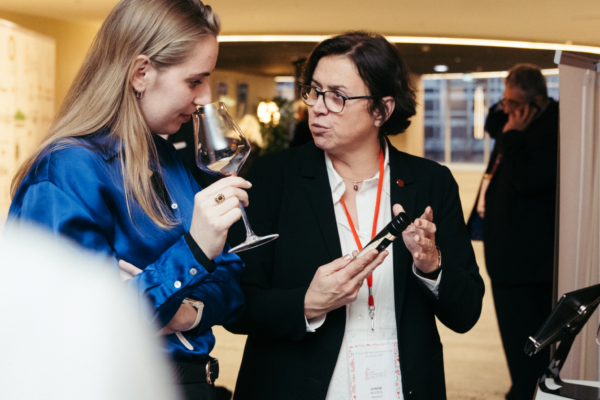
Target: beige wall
(412,141)
(74,39)
(72,43)
(259,88)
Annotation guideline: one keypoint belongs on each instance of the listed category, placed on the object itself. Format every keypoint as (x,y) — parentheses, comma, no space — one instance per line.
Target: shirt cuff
(209,265)
(433,285)
(314,323)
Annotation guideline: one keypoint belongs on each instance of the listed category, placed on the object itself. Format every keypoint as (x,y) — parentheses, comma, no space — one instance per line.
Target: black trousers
(198,391)
(521,310)
(191,379)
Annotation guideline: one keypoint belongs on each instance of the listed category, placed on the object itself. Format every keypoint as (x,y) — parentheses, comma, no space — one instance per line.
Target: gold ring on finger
(219,198)
(430,246)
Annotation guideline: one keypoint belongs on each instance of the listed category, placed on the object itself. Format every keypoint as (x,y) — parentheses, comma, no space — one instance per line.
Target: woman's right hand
(337,283)
(211,220)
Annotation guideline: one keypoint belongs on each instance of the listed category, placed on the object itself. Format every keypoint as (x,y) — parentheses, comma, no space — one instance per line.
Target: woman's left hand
(419,239)
(185,317)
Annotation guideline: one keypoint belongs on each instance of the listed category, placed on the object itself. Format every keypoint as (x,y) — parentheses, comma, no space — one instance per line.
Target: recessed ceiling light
(440,68)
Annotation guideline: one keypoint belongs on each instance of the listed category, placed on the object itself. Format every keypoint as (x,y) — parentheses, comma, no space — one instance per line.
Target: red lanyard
(374,232)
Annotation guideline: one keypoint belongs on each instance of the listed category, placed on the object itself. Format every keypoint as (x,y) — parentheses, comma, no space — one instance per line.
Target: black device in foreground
(562,325)
(388,234)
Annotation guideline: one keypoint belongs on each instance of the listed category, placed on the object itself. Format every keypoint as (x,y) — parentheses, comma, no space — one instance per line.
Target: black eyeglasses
(510,102)
(333,101)
(514,103)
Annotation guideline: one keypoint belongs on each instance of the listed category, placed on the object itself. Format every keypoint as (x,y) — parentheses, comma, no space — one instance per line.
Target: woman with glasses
(318,327)
(104,178)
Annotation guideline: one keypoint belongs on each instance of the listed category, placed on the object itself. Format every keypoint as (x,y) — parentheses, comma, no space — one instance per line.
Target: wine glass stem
(246,223)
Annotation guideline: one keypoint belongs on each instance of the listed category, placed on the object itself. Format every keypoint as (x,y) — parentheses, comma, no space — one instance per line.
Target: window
(450,116)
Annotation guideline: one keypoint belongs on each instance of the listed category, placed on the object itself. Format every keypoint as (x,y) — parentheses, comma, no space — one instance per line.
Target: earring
(377,123)
(138,93)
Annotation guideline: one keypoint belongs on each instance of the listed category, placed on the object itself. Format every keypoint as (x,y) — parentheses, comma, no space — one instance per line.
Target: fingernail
(347,257)
(249,183)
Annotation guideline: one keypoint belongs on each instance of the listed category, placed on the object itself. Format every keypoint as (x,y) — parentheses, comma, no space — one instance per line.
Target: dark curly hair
(380,66)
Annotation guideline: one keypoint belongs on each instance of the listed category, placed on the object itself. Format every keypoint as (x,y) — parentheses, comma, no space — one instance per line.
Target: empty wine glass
(222,149)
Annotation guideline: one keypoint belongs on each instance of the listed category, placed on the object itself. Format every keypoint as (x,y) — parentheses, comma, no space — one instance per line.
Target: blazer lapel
(402,179)
(316,183)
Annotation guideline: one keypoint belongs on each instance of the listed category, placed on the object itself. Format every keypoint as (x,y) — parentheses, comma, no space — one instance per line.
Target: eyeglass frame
(322,93)
(515,103)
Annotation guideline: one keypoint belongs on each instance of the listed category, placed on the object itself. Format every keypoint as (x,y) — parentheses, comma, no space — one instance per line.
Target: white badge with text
(374,370)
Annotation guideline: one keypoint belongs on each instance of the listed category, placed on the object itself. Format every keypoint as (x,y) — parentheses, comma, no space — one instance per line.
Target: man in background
(519,218)
(302,134)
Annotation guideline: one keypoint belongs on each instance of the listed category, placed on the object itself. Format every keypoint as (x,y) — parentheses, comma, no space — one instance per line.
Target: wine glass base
(252,242)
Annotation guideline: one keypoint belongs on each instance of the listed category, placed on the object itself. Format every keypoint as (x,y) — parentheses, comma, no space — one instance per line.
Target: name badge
(374,370)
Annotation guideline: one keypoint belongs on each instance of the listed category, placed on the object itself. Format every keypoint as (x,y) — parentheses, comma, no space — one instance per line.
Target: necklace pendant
(355,187)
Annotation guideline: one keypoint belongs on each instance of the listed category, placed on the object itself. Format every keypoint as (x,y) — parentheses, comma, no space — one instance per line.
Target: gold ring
(219,198)
(430,246)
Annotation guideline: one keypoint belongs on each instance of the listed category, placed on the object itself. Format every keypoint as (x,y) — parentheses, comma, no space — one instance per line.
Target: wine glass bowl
(221,149)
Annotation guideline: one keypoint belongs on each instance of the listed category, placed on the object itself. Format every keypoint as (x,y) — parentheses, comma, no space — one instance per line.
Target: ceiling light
(282,79)
(440,68)
(480,75)
(421,40)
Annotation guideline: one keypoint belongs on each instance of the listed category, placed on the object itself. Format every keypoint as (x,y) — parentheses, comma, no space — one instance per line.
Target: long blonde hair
(166,31)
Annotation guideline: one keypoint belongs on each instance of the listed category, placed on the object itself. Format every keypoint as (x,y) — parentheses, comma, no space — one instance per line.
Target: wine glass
(222,149)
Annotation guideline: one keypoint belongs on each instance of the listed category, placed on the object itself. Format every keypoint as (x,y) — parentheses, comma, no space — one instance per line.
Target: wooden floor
(474,362)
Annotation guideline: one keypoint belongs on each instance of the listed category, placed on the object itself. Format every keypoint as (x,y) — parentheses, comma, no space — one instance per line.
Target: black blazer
(520,204)
(291,196)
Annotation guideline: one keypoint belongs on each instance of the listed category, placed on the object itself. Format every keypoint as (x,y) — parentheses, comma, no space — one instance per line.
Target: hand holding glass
(222,149)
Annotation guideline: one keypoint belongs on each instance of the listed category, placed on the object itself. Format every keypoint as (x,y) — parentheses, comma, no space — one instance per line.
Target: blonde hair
(166,31)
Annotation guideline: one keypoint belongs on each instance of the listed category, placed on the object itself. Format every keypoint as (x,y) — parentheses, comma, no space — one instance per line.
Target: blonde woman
(103,177)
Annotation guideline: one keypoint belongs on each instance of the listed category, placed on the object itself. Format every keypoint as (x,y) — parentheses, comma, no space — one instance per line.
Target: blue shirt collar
(105,142)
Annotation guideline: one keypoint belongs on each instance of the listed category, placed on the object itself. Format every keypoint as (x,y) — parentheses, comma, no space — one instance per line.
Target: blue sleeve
(221,294)
(164,284)
(46,204)
(177,275)
(170,279)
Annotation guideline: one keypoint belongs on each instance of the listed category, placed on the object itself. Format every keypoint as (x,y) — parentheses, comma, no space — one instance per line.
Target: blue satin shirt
(78,192)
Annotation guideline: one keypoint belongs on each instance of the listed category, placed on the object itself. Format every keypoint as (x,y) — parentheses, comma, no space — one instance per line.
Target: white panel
(579,216)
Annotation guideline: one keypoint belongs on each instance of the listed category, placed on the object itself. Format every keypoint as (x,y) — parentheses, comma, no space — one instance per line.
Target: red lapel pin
(400,182)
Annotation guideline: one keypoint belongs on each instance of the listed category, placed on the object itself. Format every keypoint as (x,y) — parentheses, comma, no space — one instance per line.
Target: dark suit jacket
(520,204)
(291,196)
